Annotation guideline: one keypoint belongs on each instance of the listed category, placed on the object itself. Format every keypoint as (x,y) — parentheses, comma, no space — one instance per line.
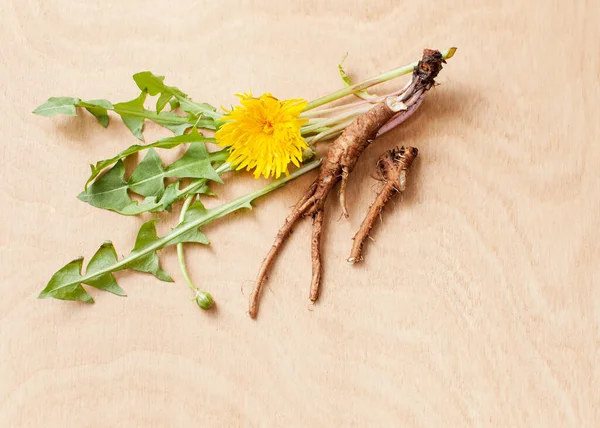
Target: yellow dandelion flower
(263,134)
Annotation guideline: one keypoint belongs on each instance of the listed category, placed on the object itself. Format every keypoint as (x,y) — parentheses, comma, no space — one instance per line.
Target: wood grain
(477,306)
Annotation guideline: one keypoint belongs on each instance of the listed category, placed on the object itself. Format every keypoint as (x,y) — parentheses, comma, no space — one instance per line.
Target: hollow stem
(384,77)
(310,114)
(324,123)
(204,299)
(180,254)
(329,133)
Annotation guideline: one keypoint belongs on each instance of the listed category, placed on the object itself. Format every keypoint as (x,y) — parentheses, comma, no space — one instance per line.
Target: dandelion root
(393,166)
(316,255)
(341,160)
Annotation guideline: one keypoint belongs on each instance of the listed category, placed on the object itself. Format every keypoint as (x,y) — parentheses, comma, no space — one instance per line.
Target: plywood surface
(477,306)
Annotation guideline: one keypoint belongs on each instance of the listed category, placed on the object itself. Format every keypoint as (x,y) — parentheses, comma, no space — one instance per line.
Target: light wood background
(477,306)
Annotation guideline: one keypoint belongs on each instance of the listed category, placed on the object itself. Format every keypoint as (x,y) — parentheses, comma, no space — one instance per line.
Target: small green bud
(204,300)
(307,154)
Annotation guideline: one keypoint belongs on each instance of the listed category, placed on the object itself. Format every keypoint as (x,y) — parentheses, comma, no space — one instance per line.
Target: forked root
(343,186)
(340,162)
(393,166)
(315,252)
(285,230)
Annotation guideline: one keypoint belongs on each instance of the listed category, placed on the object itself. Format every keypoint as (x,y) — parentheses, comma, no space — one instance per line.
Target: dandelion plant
(272,138)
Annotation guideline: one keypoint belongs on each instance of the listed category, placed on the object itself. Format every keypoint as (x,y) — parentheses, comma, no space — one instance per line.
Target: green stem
(190,190)
(325,123)
(384,77)
(180,254)
(328,133)
(152,116)
(199,122)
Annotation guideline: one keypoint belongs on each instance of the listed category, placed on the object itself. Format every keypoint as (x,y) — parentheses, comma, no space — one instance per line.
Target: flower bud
(204,300)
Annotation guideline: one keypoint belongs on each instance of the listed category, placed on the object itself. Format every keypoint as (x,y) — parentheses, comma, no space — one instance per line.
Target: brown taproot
(341,160)
(393,166)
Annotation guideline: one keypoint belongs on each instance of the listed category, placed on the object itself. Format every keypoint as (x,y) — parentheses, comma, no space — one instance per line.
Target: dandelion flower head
(263,134)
